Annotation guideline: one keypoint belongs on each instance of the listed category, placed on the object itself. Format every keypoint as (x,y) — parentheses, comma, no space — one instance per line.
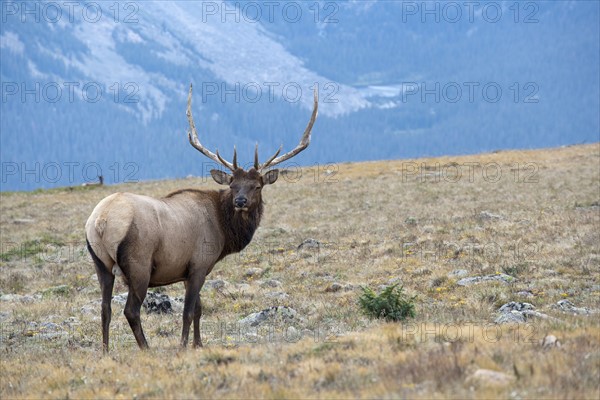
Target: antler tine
(195,142)
(270,160)
(256,164)
(304,142)
(225,162)
(234,157)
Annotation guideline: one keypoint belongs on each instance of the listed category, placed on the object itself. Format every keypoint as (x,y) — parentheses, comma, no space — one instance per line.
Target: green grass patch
(29,248)
(391,304)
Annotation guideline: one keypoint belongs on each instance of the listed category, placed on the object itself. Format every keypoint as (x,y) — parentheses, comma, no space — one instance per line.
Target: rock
(278,295)
(309,244)
(45,330)
(550,341)
(17,298)
(487,378)
(516,306)
(120,298)
(525,293)
(283,313)
(21,221)
(154,303)
(334,287)
(510,318)
(458,273)
(292,335)
(422,272)
(271,283)
(253,273)
(518,312)
(90,309)
(216,284)
(566,306)
(486,215)
(242,287)
(487,278)
(158,303)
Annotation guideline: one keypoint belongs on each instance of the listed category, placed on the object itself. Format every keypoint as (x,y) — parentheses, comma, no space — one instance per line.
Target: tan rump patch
(100,225)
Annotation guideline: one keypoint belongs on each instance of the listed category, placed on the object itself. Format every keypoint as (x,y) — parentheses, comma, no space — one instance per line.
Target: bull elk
(153,242)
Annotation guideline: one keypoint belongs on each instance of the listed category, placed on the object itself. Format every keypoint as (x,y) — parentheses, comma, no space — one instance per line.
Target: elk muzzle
(240,202)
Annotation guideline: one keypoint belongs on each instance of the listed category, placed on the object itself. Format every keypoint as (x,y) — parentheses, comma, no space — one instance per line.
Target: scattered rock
(478,279)
(242,287)
(158,303)
(516,306)
(253,272)
(334,287)
(278,295)
(458,273)
(566,306)
(120,298)
(292,334)
(271,283)
(154,303)
(422,272)
(486,215)
(284,313)
(216,284)
(17,298)
(517,312)
(487,378)
(510,318)
(44,330)
(526,293)
(550,341)
(309,244)
(21,221)
(90,309)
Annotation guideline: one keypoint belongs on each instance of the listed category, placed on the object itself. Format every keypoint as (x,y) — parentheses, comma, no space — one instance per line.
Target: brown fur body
(155,242)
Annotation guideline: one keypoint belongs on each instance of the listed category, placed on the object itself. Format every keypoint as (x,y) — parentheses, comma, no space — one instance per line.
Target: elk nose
(240,202)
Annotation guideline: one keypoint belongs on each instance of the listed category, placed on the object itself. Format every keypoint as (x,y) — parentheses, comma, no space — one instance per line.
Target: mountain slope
(394,82)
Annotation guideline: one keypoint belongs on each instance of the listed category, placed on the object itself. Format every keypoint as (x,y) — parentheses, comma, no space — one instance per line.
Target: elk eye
(258,187)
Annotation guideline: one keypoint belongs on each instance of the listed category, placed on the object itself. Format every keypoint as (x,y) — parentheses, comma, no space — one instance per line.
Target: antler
(193,138)
(304,142)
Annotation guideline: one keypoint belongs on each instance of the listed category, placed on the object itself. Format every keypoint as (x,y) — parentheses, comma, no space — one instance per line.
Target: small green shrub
(390,304)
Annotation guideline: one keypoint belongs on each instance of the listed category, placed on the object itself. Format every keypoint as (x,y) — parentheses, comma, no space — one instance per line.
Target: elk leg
(197,315)
(107,281)
(192,297)
(135,298)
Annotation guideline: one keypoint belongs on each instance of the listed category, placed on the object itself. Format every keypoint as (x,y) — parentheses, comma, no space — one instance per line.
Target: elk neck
(238,227)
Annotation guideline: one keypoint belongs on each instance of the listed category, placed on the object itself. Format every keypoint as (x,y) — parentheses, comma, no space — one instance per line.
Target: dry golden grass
(411,221)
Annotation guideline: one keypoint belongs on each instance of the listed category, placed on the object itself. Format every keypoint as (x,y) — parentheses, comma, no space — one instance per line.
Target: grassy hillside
(531,218)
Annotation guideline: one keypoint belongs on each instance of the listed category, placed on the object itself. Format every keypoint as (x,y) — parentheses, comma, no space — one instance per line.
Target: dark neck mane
(238,227)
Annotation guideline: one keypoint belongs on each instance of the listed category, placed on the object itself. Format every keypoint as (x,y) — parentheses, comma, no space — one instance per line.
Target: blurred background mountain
(101,87)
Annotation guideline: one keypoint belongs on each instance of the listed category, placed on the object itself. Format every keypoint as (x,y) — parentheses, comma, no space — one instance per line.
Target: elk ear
(270,177)
(222,178)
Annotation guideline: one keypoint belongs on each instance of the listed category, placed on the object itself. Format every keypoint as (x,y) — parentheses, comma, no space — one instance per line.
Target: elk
(153,242)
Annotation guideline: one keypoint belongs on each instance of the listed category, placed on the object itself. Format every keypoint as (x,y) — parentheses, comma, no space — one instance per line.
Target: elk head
(246,186)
